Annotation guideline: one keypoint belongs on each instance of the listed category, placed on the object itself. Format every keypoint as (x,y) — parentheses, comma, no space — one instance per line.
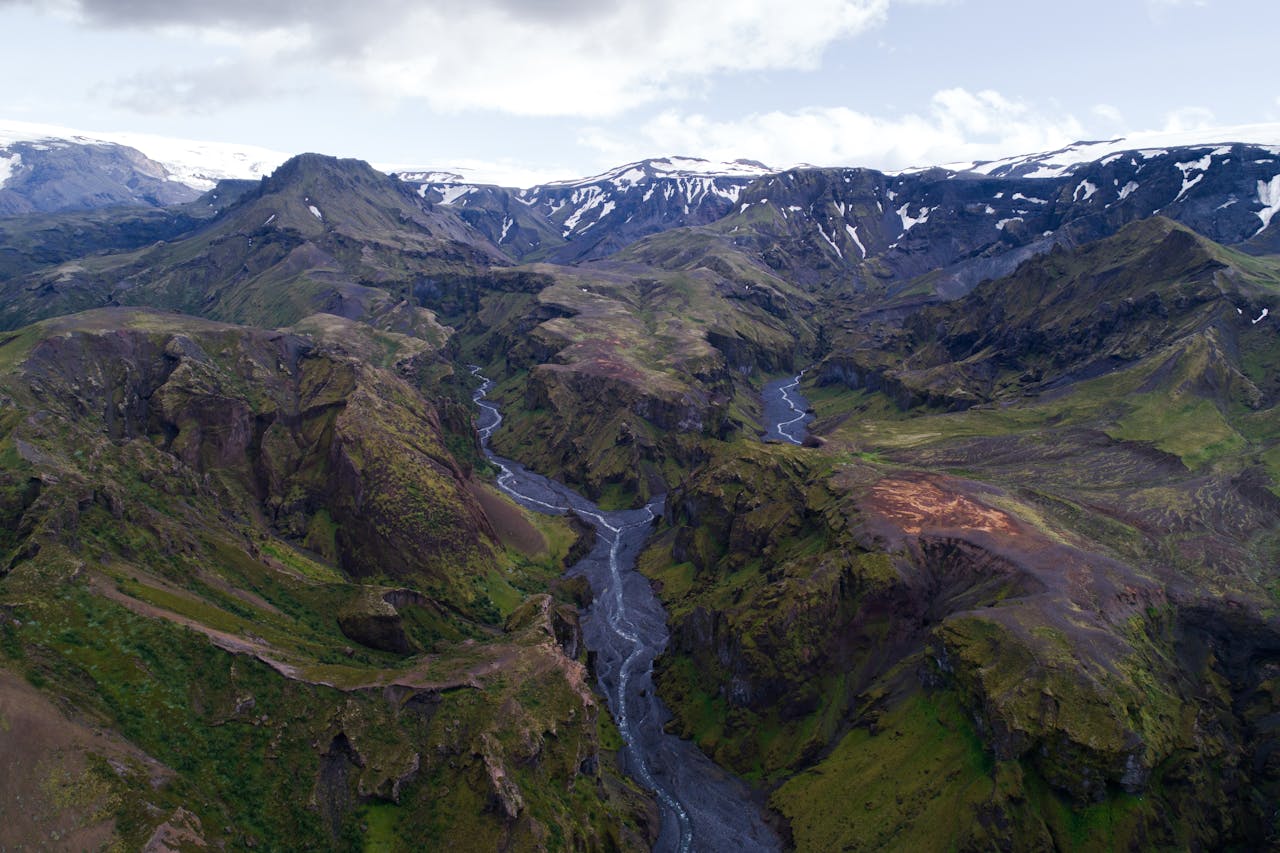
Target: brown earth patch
(49,798)
(513,529)
(913,505)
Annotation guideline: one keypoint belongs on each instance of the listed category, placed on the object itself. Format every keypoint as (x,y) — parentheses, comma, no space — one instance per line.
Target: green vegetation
(1021,595)
(915,783)
(160,594)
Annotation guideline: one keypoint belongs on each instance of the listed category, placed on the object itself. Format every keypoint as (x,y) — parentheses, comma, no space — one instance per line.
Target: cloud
(958,126)
(1188,118)
(1109,114)
(199,89)
(525,57)
(1158,10)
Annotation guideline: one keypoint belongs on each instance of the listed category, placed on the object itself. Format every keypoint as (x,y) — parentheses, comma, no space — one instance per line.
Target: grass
(381,821)
(1192,429)
(295,561)
(913,784)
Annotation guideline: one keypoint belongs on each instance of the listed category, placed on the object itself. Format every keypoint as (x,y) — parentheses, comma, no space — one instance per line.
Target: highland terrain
(1018,587)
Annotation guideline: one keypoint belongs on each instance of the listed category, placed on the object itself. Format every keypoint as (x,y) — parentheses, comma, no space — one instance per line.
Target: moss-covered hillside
(250,599)
(1049,620)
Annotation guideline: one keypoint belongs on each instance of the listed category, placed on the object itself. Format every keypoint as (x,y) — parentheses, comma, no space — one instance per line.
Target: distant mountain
(868,228)
(1073,315)
(864,227)
(1064,161)
(319,235)
(593,217)
(199,165)
(958,224)
(44,168)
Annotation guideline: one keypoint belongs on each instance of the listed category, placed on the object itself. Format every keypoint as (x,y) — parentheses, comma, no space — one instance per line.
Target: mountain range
(1017,590)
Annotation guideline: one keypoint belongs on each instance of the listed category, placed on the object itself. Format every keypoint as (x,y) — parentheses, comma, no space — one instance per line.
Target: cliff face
(321,445)
(811,606)
(199,526)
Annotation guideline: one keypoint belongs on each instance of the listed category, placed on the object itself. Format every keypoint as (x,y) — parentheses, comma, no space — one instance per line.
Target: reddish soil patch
(513,529)
(914,505)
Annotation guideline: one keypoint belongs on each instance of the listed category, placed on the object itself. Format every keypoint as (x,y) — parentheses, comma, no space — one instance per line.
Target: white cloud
(549,57)
(1159,10)
(959,126)
(1109,114)
(1188,118)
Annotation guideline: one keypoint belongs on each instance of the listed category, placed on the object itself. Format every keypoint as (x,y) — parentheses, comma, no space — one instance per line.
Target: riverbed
(703,807)
(786,415)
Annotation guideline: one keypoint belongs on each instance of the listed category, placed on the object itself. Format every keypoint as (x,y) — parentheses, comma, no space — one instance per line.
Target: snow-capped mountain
(49,168)
(199,165)
(818,224)
(855,226)
(594,216)
(1065,161)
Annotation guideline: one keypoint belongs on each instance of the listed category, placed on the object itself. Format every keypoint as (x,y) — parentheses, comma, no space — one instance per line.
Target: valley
(689,506)
(625,627)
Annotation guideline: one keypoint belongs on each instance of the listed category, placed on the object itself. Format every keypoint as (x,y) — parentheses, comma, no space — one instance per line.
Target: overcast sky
(560,88)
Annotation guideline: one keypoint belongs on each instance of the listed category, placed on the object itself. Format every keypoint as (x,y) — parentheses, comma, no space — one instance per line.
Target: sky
(522,91)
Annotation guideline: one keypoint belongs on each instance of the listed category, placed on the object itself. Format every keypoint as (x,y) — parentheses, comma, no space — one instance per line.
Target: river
(785,411)
(703,807)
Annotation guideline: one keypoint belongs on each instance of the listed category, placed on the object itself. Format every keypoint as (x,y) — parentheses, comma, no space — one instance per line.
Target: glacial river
(703,807)
(785,416)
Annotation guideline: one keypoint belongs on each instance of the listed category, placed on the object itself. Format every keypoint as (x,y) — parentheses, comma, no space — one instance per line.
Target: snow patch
(315,211)
(908,221)
(853,235)
(585,199)
(8,165)
(629,178)
(1262,316)
(1269,198)
(830,242)
(1003,222)
(1021,197)
(270,219)
(1084,187)
(729,193)
(450,194)
(1128,189)
(1186,185)
(1201,165)
(607,208)
(507,222)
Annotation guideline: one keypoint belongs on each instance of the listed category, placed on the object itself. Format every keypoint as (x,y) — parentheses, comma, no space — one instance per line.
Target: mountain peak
(301,166)
(661,168)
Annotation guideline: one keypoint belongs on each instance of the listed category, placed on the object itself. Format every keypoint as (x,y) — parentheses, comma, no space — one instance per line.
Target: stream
(785,414)
(703,807)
